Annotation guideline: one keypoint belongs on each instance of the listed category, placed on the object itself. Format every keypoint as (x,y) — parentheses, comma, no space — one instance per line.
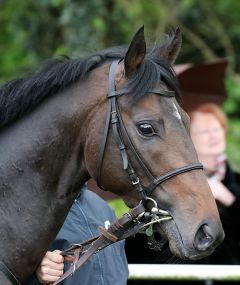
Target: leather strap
(118,230)
(171,174)
(81,245)
(111,90)
(97,243)
(138,157)
(10,276)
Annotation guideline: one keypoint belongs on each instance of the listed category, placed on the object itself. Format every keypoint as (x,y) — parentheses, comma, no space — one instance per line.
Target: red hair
(213,109)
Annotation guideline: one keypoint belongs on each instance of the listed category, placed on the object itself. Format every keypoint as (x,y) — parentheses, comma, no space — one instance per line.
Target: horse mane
(21,96)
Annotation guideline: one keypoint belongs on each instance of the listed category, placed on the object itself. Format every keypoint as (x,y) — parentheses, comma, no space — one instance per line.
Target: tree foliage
(32,31)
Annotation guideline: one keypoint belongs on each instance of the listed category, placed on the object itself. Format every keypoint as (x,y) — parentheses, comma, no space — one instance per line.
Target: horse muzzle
(188,244)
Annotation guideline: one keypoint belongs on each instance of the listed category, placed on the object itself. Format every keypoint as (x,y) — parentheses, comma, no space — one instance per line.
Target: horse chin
(130,201)
(170,232)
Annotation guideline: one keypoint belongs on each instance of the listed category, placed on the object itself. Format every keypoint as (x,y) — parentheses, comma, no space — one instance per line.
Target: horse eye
(146,129)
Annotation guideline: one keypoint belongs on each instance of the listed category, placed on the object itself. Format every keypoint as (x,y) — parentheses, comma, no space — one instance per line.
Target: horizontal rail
(183,272)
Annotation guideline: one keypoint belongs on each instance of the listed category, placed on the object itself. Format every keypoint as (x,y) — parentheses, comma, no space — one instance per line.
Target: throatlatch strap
(111,89)
(11,277)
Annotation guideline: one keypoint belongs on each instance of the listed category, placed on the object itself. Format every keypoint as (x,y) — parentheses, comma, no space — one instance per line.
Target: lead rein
(138,219)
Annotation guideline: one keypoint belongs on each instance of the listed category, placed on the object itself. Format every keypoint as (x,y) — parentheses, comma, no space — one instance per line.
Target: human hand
(51,267)
(220,192)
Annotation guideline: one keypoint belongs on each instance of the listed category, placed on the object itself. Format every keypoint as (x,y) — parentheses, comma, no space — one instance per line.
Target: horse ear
(171,48)
(136,52)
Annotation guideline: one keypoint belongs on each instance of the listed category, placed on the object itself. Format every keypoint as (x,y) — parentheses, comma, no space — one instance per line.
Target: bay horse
(55,126)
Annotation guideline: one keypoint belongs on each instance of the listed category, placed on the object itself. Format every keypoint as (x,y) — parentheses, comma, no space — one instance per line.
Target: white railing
(184,272)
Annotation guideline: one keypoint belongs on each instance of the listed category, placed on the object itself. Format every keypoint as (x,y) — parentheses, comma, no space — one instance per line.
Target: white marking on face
(176,113)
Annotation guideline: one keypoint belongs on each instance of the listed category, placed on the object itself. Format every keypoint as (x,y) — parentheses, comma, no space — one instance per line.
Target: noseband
(119,131)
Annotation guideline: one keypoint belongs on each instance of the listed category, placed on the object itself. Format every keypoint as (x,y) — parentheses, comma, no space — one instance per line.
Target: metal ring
(151,199)
(136,181)
(140,216)
(74,268)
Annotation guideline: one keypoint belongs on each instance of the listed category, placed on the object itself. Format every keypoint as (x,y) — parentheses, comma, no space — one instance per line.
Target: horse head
(141,148)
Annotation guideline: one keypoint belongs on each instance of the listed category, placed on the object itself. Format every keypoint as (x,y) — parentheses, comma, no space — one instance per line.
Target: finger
(45,279)
(54,256)
(53,260)
(52,265)
(49,271)
(47,274)
(43,271)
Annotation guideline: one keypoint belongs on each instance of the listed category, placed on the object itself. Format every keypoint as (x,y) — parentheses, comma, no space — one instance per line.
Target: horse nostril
(203,239)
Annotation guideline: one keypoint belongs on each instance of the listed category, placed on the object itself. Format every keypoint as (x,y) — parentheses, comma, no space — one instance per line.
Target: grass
(119,207)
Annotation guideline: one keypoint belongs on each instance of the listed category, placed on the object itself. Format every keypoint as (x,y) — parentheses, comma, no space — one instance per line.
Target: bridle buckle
(135,182)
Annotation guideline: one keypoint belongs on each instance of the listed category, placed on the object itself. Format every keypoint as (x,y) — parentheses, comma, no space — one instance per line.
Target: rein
(129,224)
(137,219)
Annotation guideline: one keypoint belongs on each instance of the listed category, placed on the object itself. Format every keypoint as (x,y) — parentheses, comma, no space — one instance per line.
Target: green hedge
(233,143)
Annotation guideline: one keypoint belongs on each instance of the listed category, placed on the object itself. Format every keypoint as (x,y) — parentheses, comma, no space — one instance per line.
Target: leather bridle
(119,132)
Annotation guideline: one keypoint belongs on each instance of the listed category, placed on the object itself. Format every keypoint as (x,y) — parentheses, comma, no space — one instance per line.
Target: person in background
(208,129)
(106,267)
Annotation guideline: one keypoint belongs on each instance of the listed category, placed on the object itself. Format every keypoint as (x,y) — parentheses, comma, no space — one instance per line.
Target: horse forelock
(21,96)
(152,73)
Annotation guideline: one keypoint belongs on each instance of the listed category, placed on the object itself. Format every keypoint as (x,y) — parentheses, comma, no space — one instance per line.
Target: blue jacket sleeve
(33,281)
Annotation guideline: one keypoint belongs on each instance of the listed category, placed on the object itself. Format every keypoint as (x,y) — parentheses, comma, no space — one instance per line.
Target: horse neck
(42,170)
